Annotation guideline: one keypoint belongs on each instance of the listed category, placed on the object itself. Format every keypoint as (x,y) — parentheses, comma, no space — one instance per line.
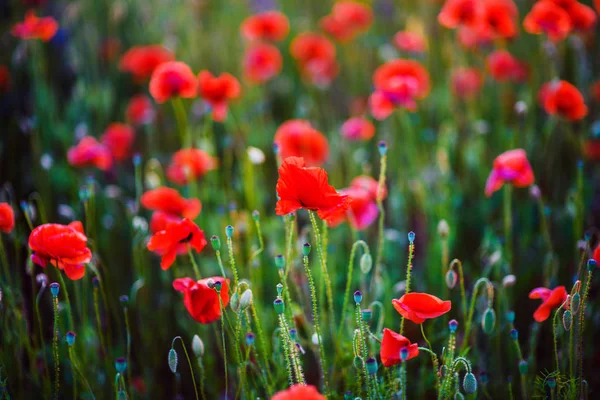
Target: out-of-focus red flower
(455,13)
(299,392)
(4,79)
(63,246)
(499,17)
(173,79)
(262,62)
(548,18)
(391,344)
(109,49)
(594,91)
(119,138)
(484,20)
(170,201)
(398,83)
(591,150)
(299,187)
(551,299)
(269,25)
(90,153)
(358,128)
(166,243)
(596,255)
(466,82)
(472,37)
(298,138)
(315,56)
(141,61)
(35,28)
(410,42)
(563,99)
(503,67)
(139,385)
(140,110)
(511,166)
(7,218)
(160,220)
(417,307)
(369,184)
(202,301)
(218,91)
(34,3)
(363,209)
(583,18)
(347,20)
(189,164)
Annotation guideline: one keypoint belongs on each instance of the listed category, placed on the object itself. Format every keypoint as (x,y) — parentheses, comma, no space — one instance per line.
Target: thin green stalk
(63,286)
(586,292)
(349,280)
(261,242)
(188,360)
(220,262)
(202,373)
(554,334)
(128,337)
(261,340)
(411,253)
(507,203)
(181,119)
(468,325)
(232,261)
(77,369)
(363,348)
(380,223)
(194,265)
(434,359)
(461,279)
(224,346)
(55,348)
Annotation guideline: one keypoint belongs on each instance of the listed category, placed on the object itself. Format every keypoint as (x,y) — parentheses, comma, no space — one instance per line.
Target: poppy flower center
(187,239)
(174,82)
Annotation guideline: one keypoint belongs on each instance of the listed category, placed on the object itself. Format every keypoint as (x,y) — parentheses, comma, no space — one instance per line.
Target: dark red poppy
(218,91)
(7,218)
(417,307)
(262,62)
(358,128)
(140,110)
(410,42)
(548,18)
(298,138)
(583,18)
(299,187)
(173,79)
(35,28)
(4,79)
(503,67)
(269,25)
(563,99)
(591,149)
(499,17)
(391,344)
(170,201)
(466,82)
(511,166)
(398,83)
(167,243)
(299,392)
(63,246)
(189,164)
(551,299)
(315,56)
(201,300)
(119,138)
(141,61)
(90,153)
(455,13)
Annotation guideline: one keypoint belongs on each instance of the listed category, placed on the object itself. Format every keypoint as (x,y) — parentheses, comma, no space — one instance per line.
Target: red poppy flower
(160,220)
(170,201)
(547,17)
(417,307)
(262,62)
(63,246)
(141,61)
(369,184)
(166,243)
(550,299)
(466,82)
(563,99)
(189,164)
(35,28)
(391,344)
(299,392)
(301,187)
(363,210)
(455,13)
(511,166)
(119,138)
(591,149)
(500,18)
(315,55)
(202,301)
(503,67)
(89,152)
(595,91)
(140,110)
(347,20)
(398,83)
(173,79)
(583,18)
(596,255)
(298,138)
(472,37)
(217,91)
(358,128)
(410,42)
(4,79)
(7,218)
(270,25)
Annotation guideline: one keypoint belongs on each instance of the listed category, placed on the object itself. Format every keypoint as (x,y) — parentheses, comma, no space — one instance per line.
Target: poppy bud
(279,261)
(411,237)
(121,364)
(246,299)
(458,396)
(357,297)
(567,320)
(358,362)
(371,365)
(197,346)
(234,302)
(173,360)
(243,286)
(124,300)
(382,146)
(510,316)
(255,215)
(70,338)
(443,229)
(535,192)
(451,279)
(470,383)
(229,231)
(591,264)
(306,249)
(404,354)
(453,325)
(367,314)
(575,303)
(293,334)
(488,322)
(249,339)
(523,367)
(279,289)
(215,242)
(54,289)
(366,262)
(210,282)
(279,306)
(514,334)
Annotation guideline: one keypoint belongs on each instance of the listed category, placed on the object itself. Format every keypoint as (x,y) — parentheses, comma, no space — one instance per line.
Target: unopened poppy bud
(306,249)
(591,264)
(279,306)
(470,383)
(243,286)
(535,192)
(96,282)
(453,325)
(514,334)
(371,365)
(411,237)
(210,282)
(279,261)
(246,299)
(121,365)
(523,367)
(358,362)
(173,360)
(567,320)
(451,279)
(197,346)
(124,300)
(54,289)
(510,316)
(367,314)
(229,231)
(404,354)
(443,229)
(575,303)
(218,285)
(215,242)
(458,396)
(358,297)
(279,289)
(509,281)
(488,322)
(382,146)
(249,339)
(234,302)
(366,262)
(520,108)
(70,338)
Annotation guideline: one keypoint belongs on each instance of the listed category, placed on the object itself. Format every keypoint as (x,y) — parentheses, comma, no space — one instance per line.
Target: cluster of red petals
(551,299)
(489,19)
(202,301)
(299,187)
(563,99)
(347,20)
(557,18)
(7,218)
(141,61)
(398,83)
(504,67)
(189,164)
(170,201)
(218,91)
(262,62)
(391,344)
(466,82)
(140,110)
(63,246)
(596,255)
(269,25)
(299,392)
(358,128)
(417,307)
(511,166)
(119,139)
(315,55)
(4,79)
(298,138)
(410,42)
(173,79)
(90,153)
(363,209)
(167,242)
(33,27)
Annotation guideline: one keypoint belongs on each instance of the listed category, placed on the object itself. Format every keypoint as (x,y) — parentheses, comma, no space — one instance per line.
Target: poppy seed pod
(358,297)
(197,346)
(367,314)
(54,289)
(70,338)
(229,231)
(382,146)
(172,360)
(510,316)
(234,302)
(411,237)
(404,353)
(121,364)
(453,325)
(509,281)
(591,265)
(279,306)
(250,339)
(514,334)
(371,365)
(357,362)
(567,320)
(523,367)
(215,242)
(306,249)
(575,303)
(279,261)
(470,383)
(279,289)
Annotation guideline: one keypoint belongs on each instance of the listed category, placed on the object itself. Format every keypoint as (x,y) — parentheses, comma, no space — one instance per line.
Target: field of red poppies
(274,199)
